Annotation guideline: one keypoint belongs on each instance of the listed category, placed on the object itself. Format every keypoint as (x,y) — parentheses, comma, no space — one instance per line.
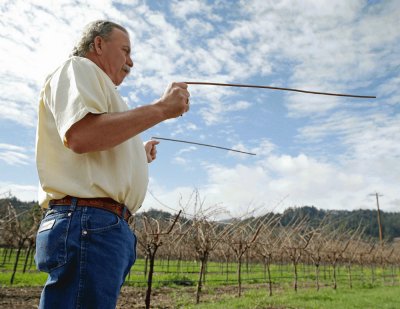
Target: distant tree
(151,238)
(19,228)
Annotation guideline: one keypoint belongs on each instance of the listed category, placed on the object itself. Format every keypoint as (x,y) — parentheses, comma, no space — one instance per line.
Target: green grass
(28,279)
(369,290)
(327,298)
(185,273)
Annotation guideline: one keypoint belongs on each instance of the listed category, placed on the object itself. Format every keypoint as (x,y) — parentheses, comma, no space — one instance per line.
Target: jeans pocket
(102,221)
(51,241)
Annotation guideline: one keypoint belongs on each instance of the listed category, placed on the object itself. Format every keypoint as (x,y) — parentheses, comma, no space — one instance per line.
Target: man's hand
(151,150)
(175,100)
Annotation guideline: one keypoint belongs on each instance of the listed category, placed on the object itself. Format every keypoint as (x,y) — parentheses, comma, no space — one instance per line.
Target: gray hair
(102,28)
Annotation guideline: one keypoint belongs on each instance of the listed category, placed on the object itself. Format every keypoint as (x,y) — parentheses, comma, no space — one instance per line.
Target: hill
(338,219)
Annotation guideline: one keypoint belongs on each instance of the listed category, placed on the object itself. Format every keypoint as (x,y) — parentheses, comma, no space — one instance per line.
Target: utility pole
(377,195)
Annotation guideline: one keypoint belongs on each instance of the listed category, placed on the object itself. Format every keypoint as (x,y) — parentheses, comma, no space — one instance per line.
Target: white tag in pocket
(47,225)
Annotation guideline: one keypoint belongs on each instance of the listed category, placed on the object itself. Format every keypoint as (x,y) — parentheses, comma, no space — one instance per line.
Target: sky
(333,153)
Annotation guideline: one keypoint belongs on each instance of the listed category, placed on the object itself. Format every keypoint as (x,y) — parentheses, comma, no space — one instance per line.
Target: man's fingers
(180,85)
(187,105)
(176,99)
(154,142)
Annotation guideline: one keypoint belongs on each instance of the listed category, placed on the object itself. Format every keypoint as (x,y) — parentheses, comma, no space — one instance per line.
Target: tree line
(338,219)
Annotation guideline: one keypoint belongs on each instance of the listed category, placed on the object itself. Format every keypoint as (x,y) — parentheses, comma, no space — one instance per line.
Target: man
(92,168)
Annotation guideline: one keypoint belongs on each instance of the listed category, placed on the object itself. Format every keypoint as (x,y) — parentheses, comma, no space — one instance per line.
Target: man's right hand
(175,100)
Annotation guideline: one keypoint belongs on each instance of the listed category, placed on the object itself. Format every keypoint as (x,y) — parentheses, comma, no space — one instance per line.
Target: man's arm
(96,132)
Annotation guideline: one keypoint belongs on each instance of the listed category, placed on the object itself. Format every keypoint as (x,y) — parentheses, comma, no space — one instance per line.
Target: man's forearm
(97,132)
(104,131)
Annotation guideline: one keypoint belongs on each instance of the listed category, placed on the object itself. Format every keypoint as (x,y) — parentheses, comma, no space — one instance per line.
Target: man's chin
(118,81)
(121,79)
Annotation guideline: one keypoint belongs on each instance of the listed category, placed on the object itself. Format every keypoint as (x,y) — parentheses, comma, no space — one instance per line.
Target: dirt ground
(28,297)
(130,298)
(19,297)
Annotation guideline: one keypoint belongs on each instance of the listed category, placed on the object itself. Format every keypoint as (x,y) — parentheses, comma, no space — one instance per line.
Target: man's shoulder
(76,62)
(75,66)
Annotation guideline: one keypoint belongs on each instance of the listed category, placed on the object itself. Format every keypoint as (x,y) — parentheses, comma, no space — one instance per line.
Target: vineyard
(200,253)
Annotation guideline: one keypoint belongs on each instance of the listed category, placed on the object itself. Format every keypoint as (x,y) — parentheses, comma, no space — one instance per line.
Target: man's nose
(129,61)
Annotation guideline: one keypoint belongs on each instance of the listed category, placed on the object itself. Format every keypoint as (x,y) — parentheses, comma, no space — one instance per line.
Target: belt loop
(123,212)
(74,202)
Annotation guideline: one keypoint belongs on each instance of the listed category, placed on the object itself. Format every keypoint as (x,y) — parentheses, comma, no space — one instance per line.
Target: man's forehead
(119,34)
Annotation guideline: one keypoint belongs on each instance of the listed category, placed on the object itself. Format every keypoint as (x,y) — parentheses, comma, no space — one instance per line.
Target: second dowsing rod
(201,144)
(262,87)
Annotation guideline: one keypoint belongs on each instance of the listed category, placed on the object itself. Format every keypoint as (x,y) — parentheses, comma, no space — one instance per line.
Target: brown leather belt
(101,202)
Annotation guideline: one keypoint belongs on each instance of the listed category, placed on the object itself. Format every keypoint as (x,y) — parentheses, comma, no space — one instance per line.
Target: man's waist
(104,203)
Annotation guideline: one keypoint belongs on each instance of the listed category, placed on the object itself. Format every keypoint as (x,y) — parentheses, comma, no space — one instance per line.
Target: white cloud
(22,192)
(218,109)
(200,27)
(39,38)
(237,106)
(180,161)
(305,180)
(264,148)
(14,155)
(186,150)
(329,46)
(389,92)
(11,147)
(279,181)
(184,9)
(14,158)
(184,128)
(366,137)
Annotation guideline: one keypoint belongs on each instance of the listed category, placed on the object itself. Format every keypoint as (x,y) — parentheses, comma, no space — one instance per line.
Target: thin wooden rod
(284,89)
(200,144)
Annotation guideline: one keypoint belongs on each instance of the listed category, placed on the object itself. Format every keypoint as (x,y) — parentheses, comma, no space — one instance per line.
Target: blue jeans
(87,253)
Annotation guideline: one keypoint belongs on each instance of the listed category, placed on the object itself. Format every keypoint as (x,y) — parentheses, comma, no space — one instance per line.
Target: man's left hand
(151,150)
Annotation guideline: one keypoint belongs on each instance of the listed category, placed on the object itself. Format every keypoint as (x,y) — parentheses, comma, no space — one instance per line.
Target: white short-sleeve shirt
(76,88)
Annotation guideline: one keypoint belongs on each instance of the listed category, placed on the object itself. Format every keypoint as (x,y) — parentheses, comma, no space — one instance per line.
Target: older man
(92,167)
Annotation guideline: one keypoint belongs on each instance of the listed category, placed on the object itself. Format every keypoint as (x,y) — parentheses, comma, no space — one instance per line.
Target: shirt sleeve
(77,89)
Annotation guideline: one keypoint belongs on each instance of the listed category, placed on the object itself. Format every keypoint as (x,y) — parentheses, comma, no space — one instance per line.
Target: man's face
(115,59)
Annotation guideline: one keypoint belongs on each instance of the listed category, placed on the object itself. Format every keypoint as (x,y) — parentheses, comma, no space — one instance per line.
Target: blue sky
(324,151)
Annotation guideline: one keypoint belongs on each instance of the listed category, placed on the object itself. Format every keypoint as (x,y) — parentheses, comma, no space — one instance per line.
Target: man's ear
(98,45)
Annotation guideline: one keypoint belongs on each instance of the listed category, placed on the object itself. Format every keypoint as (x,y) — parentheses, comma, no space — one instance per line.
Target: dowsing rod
(263,87)
(284,89)
(200,144)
